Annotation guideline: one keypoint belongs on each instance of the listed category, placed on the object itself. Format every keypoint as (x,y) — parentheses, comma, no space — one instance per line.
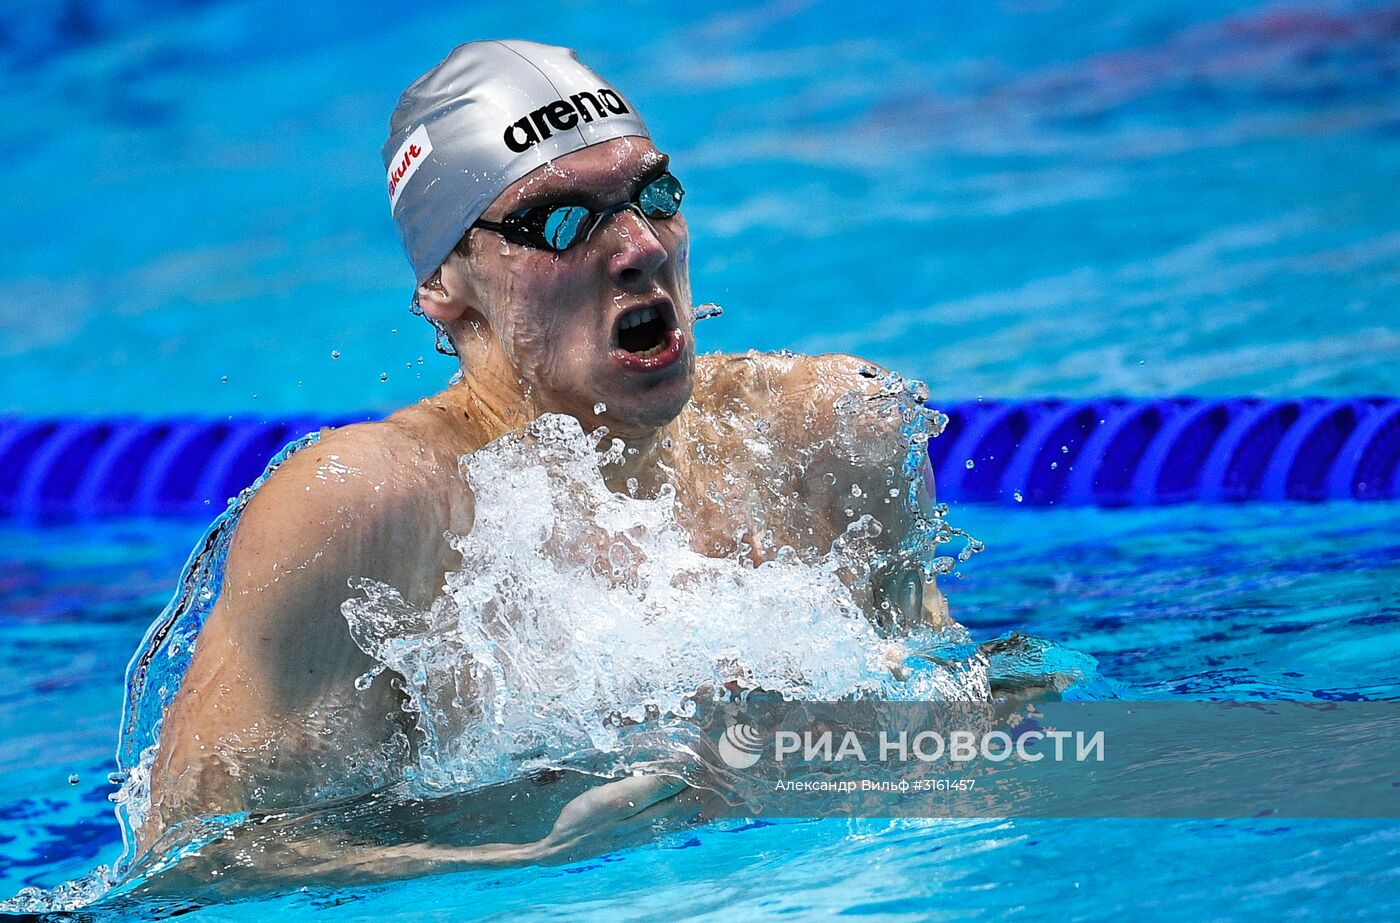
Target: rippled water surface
(1022,198)
(1003,199)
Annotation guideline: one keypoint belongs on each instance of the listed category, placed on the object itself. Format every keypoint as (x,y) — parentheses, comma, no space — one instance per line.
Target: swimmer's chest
(755,505)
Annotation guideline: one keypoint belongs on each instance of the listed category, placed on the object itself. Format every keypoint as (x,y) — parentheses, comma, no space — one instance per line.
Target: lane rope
(1101,452)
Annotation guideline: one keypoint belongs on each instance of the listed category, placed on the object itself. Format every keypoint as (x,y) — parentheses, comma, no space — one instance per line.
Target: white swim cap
(487,115)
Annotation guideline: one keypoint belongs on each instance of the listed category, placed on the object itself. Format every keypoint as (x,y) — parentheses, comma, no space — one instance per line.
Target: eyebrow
(573,195)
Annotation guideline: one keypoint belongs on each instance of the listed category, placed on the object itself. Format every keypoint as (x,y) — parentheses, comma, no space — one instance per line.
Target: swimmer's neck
(493,396)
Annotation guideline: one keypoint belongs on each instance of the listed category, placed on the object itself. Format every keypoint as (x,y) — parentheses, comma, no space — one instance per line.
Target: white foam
(575,606)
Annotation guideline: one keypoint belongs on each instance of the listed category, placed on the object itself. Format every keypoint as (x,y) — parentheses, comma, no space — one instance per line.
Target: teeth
(637,317)
(655,350)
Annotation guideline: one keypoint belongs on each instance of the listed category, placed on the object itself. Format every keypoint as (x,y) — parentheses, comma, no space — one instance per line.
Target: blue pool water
(1022,199)
(1247,602)
(1025,198)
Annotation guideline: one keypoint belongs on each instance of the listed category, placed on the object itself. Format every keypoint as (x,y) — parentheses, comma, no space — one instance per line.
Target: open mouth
(642,332)
(647,337)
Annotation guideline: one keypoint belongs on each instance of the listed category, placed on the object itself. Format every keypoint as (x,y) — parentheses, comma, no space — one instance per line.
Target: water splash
(706,311)
(579,611)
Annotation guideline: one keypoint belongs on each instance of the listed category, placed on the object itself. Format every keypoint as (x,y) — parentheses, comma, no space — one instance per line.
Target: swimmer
(549,243)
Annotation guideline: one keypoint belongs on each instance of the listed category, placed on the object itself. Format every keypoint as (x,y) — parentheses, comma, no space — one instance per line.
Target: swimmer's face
(608,320)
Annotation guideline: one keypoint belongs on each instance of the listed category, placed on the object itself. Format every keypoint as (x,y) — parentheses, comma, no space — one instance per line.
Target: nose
(637,249)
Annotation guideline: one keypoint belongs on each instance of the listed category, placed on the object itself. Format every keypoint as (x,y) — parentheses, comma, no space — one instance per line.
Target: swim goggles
(559,227)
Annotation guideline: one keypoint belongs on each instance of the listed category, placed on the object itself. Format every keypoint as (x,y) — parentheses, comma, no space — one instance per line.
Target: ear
(444,296)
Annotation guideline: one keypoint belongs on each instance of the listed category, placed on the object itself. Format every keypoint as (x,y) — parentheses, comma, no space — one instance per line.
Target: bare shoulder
(369,500)
(840,416)
(788,372)
(362,471)
(784,385)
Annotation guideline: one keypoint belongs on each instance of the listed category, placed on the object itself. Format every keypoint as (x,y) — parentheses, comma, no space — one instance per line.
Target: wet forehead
(607,173)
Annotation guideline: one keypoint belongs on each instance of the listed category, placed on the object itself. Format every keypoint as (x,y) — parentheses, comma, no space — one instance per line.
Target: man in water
(549,247)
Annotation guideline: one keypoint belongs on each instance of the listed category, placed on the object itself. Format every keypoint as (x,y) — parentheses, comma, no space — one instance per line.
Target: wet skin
(268,716)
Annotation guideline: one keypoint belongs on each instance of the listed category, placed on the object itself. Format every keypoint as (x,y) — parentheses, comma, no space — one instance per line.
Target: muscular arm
(275,854)
(267,715)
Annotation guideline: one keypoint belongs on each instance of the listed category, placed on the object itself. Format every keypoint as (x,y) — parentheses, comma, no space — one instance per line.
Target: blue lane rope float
(1104,452)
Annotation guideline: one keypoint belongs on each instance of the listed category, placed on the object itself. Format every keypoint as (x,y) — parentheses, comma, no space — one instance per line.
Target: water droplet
(632,486)
(393,329)
(364,680)
(335,354)
(1064,450)
(383,376)
(856,491)
(1054,465)
(224,379)
(505,247)
(1016,495)
(420,360)
(969,465)
(600,407)
(73,778)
